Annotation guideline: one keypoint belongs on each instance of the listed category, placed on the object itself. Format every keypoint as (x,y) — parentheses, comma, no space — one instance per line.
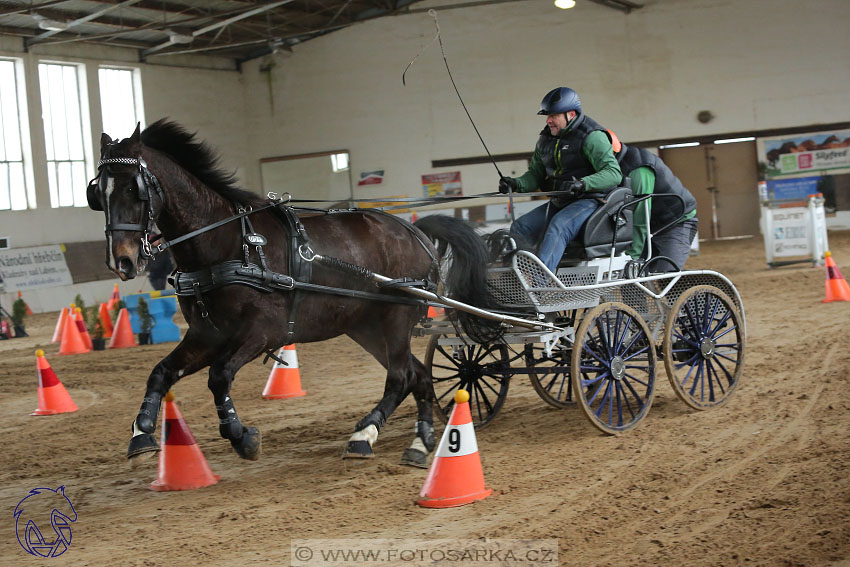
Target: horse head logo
(31,511)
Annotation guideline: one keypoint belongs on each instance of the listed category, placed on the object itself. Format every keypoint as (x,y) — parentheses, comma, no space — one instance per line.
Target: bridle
(148,186)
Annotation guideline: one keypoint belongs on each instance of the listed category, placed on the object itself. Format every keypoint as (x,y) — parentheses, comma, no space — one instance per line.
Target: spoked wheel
(613,367)
(704,347)
(551,375)
(481,370)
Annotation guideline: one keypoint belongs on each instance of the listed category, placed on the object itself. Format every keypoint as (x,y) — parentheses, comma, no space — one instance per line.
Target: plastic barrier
(162,310)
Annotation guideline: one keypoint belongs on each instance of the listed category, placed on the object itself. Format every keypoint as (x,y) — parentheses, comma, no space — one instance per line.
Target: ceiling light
(733,140)
(48,24)
(565,4)
(179,38)
(682,145)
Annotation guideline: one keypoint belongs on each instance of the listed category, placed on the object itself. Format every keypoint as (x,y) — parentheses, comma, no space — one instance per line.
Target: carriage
(594,331)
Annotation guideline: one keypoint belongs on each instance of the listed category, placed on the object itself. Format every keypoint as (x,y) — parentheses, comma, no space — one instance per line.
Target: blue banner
(798,188)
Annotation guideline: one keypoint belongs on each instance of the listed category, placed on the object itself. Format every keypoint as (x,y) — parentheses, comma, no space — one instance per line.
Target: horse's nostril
(125,265)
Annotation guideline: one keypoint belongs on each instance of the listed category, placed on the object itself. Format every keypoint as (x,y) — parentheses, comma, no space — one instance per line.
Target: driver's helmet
(560,101)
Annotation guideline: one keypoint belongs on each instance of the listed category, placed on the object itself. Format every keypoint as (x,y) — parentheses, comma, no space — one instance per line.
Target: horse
(249,281)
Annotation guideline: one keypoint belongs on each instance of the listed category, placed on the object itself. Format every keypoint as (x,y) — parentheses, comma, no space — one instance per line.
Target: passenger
(573,154)
(650,175)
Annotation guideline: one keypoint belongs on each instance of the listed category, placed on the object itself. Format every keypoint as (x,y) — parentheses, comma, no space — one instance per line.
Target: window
(65,116)
(120,101)
(339,162)
(14,140)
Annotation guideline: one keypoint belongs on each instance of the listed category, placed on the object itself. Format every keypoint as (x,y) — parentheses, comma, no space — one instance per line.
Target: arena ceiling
(236,29)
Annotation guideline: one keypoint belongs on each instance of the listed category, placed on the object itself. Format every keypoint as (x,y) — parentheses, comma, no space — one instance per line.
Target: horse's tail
(463,268)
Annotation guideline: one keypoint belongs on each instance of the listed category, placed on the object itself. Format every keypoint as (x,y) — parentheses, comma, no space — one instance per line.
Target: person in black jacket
(159,269)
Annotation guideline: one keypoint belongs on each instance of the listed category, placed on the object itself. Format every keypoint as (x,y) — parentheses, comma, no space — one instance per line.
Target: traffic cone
(113,299)
(284,381)
(105,320)
(60,326)
(53,398)
(84,332)
(434,312)
(122,334)
(29,311)
(182,465)
(72,340)
(836,286)
(455,477)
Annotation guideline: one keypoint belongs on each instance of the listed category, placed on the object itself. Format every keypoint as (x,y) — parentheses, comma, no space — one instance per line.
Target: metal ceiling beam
(622,5)
(221,24)
(90,17)
(31,7)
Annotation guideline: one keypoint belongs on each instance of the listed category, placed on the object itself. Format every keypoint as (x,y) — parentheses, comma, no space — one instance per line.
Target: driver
(574,154)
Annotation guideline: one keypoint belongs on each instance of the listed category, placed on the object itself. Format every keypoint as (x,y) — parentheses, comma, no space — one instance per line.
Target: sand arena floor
(762,480)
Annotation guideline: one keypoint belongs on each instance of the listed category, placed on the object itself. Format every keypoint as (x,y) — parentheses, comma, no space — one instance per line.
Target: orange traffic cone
(455,477)
(20,296)
(105,320)
(434,312)
(53,398)
(60,326)
(84,332)
(836,286)
(72,340)
(113,299)
(284,381)
(122,334)
(182,465)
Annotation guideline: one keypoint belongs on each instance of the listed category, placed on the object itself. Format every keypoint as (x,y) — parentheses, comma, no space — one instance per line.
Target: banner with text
(442,184)
(34,268)
(805,153)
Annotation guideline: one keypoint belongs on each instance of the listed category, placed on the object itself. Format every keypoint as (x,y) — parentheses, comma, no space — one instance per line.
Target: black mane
(196,157)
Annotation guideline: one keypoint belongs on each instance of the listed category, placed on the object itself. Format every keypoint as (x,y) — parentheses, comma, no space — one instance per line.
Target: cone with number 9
(455,477)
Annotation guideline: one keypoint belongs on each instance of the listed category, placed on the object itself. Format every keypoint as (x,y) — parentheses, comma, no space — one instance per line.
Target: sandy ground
(762,480)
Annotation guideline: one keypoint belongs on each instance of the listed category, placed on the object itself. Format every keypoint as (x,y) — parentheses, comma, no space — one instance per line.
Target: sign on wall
(446,184)
(371,177)
(804,153)
(34,268)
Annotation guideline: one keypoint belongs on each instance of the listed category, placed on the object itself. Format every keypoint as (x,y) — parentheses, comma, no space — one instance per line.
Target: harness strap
(168,244)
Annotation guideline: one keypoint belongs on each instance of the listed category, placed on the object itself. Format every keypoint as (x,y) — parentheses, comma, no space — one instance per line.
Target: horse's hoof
(414,458)
(248,446)
(141,444)
(358,450)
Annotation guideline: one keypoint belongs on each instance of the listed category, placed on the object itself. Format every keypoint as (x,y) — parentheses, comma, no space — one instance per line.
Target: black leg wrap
(229,425)
(376,417)
(140,444)
(358,450)
(148,413)
(248,445)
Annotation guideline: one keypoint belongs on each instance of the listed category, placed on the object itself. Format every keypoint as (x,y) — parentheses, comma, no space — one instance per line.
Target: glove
(572,188)
(507,184)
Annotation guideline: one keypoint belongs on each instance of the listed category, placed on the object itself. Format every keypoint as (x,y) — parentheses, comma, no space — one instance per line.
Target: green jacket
(582,149)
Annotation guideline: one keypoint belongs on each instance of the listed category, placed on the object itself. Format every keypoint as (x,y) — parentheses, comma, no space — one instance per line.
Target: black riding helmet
(560,101)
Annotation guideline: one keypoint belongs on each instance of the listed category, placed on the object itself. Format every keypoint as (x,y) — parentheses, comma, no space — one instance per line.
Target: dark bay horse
(236,291)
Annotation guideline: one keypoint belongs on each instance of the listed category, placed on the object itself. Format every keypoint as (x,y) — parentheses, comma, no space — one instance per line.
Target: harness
(256,275)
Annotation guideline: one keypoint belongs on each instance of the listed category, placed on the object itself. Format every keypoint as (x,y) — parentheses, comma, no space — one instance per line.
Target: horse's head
(131,198)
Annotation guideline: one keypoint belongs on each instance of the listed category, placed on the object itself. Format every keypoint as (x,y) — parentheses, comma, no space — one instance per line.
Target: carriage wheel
(481,370)
(551,375)
(704,347)
(613,367)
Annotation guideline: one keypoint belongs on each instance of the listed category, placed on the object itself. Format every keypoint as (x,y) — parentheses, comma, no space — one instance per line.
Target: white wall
(755,64)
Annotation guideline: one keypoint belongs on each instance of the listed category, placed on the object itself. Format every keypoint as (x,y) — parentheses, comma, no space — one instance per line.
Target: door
(724,180)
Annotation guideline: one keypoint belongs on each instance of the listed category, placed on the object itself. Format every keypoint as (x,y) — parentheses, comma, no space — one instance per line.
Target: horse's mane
(196,157)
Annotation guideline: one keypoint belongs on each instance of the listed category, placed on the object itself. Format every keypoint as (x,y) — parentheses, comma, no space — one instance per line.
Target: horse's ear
(104,140)
(137,133)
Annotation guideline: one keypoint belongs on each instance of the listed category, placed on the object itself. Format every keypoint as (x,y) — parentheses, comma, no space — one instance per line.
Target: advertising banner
(34,268)
(804,153)
(442,184)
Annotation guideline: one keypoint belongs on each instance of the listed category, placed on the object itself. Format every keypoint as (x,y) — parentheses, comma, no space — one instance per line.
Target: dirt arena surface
(762,480)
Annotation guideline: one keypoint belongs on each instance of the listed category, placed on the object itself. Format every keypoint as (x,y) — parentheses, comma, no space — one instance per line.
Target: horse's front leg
(192,354)
(424,441)
(245,441)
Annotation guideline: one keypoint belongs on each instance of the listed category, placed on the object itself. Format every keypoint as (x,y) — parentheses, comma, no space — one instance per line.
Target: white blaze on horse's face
(122,206)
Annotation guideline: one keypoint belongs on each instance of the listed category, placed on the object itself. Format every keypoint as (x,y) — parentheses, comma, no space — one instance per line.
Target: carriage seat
(594,239)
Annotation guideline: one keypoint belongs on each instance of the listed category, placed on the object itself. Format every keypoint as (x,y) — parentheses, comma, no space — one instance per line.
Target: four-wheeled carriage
(601,331)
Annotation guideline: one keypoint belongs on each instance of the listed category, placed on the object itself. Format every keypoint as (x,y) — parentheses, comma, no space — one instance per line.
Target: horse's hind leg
(424,442)
(246,441)
(193,353)
(392,349)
